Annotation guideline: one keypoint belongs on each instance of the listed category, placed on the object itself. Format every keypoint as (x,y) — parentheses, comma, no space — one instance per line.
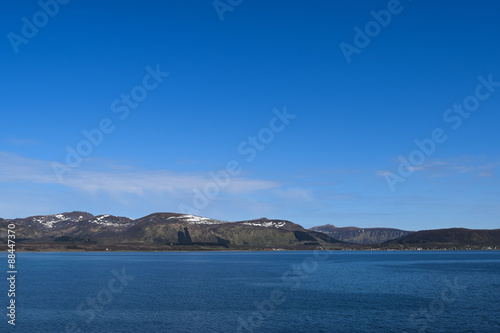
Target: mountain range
(158,231)
(361,235)
(172,231)
(449,238)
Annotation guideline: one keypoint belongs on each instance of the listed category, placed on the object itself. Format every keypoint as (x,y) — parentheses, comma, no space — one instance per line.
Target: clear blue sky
(332,163)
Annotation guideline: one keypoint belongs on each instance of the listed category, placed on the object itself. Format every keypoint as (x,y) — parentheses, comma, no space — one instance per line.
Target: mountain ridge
(449,238)
(358,235)
(161,230)
(166,231)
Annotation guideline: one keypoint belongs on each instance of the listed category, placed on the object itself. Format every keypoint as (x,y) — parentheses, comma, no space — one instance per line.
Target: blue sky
(310,134)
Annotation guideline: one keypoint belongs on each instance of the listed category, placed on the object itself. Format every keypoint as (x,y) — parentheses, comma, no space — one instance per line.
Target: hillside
(361,235)
(171,231)
(159,231)
(454,238)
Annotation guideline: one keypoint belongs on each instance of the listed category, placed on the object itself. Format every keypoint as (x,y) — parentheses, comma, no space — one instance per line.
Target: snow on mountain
(193,219)
(112,221)
(266,224)
(49,221)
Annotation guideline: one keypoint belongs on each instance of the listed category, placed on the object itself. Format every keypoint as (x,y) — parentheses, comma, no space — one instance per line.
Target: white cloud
(121,180)
(486,174)
(441,168)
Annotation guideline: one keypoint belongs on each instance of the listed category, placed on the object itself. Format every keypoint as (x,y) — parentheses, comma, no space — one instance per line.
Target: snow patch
(101,220)
(49,221)
(270,224)
(193,219)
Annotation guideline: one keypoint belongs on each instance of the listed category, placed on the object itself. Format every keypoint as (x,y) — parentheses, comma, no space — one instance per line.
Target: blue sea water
(339,291)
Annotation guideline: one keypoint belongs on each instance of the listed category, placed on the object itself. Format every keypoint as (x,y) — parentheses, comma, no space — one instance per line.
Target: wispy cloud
(486,174)
(452,167)
(488,170)
(119,179)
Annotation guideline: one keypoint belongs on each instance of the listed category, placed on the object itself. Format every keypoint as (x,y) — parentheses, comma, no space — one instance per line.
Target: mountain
(158,231)
(182,232)
(76,224)
(361,235)
(454,238)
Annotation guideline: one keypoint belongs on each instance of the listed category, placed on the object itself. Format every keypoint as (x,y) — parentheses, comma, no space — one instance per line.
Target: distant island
(361,235)
(81,231)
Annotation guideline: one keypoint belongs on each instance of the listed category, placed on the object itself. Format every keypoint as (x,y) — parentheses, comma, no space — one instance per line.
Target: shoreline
(249,250)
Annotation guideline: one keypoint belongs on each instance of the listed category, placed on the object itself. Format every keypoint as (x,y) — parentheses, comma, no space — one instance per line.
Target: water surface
(341,291)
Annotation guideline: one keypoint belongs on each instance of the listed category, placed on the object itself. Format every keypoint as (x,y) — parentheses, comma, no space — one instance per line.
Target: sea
(274,291)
